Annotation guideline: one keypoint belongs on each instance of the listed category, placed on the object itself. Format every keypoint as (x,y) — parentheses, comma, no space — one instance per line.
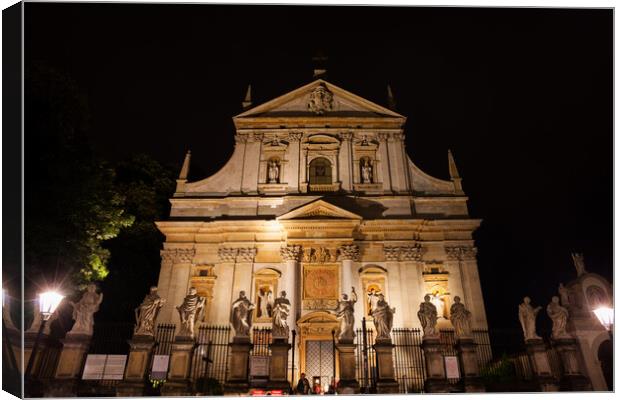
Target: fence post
(385,366)
(466,349)
(178,383)
(572,377)
(537,353)
(436,381)
(346,356)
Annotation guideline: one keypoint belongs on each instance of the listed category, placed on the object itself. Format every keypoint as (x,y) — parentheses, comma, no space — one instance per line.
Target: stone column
(537,353)
(436,381)
(385,162)
(345,162)
(293,173)
(385,367)
(278,371)
(178,383)
(70,364)
(291,254)
(138,362)
(573,378)
(466,350)
(238,376)
(178,262)
(348,253)
(346,358)
(465,256)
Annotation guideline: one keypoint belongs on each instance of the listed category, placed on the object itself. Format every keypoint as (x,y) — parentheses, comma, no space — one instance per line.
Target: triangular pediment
(319,209)
(321,99)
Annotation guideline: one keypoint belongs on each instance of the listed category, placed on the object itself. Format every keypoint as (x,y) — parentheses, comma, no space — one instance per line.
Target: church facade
(318,199)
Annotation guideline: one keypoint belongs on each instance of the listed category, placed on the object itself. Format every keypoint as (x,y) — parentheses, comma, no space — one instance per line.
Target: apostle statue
(241,315)
(559,316)
(190,308)
(527,317)
(427,314)
(580,265)
(366,171)
(563,295)
(460,318)
(345,313)
(274,171)
(146,313)
(383,317)
(84,310)
(281,310)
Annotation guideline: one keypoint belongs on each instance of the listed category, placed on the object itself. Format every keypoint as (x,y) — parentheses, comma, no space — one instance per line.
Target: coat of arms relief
(321,100)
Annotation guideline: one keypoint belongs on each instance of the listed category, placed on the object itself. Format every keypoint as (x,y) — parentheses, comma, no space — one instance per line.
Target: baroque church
(320,198)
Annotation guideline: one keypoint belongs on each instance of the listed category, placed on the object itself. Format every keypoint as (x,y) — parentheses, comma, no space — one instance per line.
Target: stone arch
(265,291)
(373,281)
(320,171)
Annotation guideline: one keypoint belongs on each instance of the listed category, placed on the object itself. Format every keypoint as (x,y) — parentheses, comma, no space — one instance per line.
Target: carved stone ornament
(291,253)
(461,252)
(227,254)
(321,100)
(318,255)
(234,254)
(176,256)
(349,252)
(246,254)
(403,253)
(295,136)
(320,304)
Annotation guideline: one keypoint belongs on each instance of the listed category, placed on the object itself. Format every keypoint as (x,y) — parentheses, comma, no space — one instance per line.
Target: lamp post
(48,302)
(605,316)
(334,356)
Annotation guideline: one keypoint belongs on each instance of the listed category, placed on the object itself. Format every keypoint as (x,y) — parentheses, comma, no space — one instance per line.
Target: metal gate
(210,358)
(409,364)
(365,360)
(319,361)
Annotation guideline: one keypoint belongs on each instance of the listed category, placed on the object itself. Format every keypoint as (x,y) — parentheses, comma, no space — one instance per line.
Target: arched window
(320,171)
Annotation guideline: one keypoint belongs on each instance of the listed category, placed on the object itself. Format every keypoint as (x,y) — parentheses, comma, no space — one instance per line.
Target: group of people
(303,386)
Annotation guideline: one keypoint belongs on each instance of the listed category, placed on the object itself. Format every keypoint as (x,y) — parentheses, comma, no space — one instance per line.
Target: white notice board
(160,366)
(115,366)
(259,365)
(93,369)
(452,367)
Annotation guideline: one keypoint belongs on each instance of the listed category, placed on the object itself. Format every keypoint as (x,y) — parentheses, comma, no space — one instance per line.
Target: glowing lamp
(48,302)
(606,316)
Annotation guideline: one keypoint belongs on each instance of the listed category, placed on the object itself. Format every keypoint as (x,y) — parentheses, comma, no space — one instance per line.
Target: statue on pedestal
(559,316)
(580,265)
(527,317)
(460,318)
(281,310)
(146,313)
(191,307)
(274,171)
(383,317)
(84,310)
(428,317)
(345,313)
(241,315)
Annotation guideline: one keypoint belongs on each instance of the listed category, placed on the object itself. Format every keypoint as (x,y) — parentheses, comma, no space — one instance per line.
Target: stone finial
(580,265)
(185,167)
(454,173)
(247,102)
(390,98)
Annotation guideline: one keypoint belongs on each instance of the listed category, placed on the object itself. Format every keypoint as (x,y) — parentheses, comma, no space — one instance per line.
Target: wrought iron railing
(261,339)
(365,360)
(211,356)
(164,337)
(409,364)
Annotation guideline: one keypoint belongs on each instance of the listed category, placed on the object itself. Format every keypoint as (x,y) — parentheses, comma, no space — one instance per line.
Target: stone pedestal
(537,353)
(436,381)
(238,372)
(178,383)
(278,371)
(466,349)
(573,378)
(385,367)
(136,372)
(70,365)
(346,357)
(29,341)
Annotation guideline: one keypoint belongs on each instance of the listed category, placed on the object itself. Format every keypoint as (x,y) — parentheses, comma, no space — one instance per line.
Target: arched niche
(320,171)
(266,282)
(373,281)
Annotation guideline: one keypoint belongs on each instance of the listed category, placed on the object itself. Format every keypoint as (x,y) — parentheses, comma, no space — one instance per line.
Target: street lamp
(48,302)
(605,316)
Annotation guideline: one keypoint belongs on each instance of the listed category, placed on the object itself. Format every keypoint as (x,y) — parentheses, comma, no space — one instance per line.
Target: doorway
(319,363)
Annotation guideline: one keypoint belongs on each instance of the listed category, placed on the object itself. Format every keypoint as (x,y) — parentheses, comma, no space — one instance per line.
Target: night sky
(523,97)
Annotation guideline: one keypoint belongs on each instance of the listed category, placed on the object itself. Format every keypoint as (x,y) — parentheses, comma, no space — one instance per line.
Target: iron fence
(164,337)
(211,356)
(409,364)
(365,360)
(261,339)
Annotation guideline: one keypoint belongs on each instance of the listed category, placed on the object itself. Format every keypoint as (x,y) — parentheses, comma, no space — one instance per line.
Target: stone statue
(266,303)
(281,310)
(439,304)
(580,265)
(372,300)
(345,313)
(146,313)
(460,318)
(241,315)
(559,316)
(84,310)
(527,317)
(366,172)
(274,171)
(563,295)
(428,317)
(383,317)
(191,307)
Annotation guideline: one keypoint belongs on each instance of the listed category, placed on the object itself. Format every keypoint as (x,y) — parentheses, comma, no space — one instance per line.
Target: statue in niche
(559,316)
(281,310)
(366,171)
(383,317)
(345,313)
(274,171)
(460,318)
(265,298)
(373,297)
(241,315)
(427,314)
(146,313)
(190,308)
(580,265)
(440,305)
(84,310)
(527,318)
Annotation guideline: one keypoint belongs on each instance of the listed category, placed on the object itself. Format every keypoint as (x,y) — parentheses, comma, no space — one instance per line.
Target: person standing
(303,386)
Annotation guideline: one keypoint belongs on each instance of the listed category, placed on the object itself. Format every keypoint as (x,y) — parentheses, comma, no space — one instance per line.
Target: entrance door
(320,362)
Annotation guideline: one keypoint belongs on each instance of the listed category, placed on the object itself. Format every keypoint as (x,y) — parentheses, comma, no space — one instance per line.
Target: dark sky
(523,97)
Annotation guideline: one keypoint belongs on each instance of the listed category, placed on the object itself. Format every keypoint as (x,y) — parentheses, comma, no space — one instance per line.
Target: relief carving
(461,252)
(321,100)
(349,252)
(318,255)
(320,282)
(291,252)
(177,256)
(403,253)
(234,254)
